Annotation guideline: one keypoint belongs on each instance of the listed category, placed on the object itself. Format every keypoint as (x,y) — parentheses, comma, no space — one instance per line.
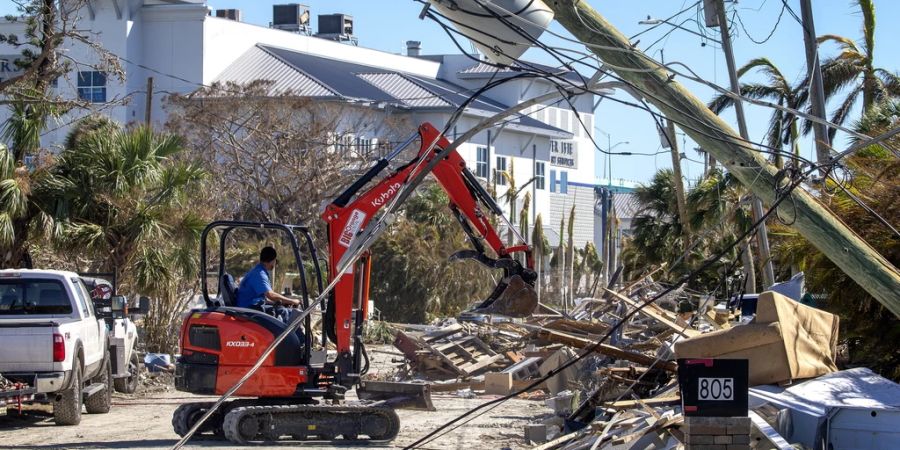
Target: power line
(771,33)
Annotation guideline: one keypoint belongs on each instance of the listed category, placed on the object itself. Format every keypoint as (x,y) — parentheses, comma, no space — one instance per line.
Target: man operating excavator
(255,290)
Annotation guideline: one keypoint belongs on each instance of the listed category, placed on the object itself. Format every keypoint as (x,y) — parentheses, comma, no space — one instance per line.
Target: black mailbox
(713,387)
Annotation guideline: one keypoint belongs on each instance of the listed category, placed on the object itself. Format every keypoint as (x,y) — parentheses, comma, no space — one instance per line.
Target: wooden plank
(443,332)
(658,314)
(474,367)
(631,404)
(616,352)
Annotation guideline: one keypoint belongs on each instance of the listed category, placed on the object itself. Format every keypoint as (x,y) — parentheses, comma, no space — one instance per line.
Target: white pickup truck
(52,339)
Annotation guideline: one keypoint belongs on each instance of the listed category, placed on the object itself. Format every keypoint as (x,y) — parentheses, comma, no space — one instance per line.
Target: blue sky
(388,24)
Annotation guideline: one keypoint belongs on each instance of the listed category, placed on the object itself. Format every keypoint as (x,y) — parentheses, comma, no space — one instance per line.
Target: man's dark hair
(267,254)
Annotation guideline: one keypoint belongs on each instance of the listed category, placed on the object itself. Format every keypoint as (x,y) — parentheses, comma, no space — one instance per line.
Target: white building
(183,46)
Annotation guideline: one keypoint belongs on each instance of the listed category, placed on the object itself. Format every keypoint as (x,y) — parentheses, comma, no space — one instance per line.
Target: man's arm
(278,299)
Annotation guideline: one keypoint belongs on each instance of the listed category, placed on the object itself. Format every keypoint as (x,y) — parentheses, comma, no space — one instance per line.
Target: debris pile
(622,392)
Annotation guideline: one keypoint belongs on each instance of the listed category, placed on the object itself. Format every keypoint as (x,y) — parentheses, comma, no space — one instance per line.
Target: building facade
(183,46)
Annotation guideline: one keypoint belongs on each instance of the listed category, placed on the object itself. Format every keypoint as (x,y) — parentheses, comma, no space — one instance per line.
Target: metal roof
(405,90)
(483,69)
(258,64)
(626,205)
(310,75)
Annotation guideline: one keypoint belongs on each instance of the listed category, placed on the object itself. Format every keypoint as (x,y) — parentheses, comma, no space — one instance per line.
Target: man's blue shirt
(252,290)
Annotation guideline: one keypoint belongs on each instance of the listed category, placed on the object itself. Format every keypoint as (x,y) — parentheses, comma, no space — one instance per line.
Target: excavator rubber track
(310,422)
(271,423)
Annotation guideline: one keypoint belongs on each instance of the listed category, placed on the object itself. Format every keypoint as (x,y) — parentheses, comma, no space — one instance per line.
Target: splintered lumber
(631,404)
(577,326)
(605,349)
(658,314)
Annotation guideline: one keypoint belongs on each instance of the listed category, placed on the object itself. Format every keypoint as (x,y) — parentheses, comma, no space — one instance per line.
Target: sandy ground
(143,421)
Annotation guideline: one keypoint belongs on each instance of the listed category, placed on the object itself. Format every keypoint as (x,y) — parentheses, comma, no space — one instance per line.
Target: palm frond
(867,7)
(843,42)
(839,116)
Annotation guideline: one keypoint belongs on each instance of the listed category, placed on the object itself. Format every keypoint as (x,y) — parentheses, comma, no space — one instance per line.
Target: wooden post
(762,234)
(149,102)
(817,91)
(679,185)
(811,219)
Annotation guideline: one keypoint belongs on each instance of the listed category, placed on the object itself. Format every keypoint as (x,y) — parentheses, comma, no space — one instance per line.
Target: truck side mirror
(118,306)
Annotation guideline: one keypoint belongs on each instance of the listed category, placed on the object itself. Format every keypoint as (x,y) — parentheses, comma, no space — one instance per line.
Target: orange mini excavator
(221,342)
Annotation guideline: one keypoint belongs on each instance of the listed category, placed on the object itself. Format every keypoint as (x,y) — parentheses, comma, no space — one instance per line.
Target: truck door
(93,331)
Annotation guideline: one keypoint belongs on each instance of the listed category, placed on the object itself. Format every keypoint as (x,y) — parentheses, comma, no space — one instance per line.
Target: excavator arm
(351,211)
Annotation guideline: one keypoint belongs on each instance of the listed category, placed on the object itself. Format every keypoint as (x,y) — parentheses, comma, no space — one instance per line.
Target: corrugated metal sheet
(626,205)
(483,68)
(404,90)
(258,64)
(561,206)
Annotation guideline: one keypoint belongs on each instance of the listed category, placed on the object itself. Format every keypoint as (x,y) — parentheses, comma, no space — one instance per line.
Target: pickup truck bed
(52,340)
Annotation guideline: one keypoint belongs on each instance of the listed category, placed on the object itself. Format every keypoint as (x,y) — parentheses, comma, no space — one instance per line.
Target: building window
(92,86)
(346,144)
(563,182)
(498,171)
(365,146)
(539,175)
(481,162)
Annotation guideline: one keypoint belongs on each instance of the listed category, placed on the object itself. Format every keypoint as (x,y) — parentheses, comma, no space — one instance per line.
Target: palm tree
(854,69)
(715,204)
(720,202)
(541,247)
(657,229)
(21,186)
(782,125)
(124,198)
(126,203)
(872,175)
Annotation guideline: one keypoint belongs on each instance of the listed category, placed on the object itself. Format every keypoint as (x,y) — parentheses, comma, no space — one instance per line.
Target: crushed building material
(786,341)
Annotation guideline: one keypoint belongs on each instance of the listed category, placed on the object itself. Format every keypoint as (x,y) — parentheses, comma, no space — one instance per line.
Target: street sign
(713,387)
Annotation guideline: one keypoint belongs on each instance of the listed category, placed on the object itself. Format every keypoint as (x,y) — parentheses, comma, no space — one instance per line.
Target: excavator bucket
(397,395)
(517,299)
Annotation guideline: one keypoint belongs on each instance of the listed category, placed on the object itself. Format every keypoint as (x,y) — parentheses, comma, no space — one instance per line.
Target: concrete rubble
(625,393)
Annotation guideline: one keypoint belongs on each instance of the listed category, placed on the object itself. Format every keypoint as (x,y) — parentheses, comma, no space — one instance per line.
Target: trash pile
(625,393)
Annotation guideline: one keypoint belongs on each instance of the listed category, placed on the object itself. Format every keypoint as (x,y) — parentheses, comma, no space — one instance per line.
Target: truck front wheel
(100,402)
(127,385)
(67,405)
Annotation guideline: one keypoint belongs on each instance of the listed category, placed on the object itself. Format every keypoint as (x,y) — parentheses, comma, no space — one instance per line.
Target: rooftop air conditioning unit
(336,27)
(291,17)
(230,14)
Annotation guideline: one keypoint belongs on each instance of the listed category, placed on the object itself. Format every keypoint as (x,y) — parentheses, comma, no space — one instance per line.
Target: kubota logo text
(386,195)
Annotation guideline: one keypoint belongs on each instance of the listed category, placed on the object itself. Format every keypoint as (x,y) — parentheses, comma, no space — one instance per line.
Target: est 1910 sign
(713,387)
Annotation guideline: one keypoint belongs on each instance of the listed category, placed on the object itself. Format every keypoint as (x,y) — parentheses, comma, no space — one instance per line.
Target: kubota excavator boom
(351,211)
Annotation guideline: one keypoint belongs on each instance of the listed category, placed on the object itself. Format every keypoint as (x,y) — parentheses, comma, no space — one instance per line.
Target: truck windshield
(20,297)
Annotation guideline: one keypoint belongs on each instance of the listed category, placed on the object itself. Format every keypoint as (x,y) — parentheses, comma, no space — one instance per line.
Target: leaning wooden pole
(811,219)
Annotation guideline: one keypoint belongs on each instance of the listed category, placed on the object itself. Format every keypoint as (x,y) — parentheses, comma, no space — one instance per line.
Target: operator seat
(228,290)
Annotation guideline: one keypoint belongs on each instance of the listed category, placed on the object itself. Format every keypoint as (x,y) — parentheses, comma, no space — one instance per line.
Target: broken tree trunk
(816,223)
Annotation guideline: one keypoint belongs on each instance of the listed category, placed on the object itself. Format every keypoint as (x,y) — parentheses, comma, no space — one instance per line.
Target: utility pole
(671,141)
(679,184)
(816,90)
(149,102)
(762,235)
(853,255)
